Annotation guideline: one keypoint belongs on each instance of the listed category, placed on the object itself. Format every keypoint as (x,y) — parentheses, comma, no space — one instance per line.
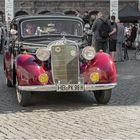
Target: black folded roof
(129,14)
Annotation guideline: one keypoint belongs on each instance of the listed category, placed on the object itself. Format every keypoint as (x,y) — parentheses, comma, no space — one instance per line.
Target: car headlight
(43,54)
(88,53)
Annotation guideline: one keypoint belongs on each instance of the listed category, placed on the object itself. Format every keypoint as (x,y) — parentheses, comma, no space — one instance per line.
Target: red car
(49,53)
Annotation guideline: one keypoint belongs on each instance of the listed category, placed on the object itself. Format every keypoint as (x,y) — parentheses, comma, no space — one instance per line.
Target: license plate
(70,87)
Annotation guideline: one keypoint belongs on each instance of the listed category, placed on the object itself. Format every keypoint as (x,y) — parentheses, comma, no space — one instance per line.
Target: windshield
(41,27)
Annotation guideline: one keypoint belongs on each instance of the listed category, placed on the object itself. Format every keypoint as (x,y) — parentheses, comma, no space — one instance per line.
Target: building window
(1,16)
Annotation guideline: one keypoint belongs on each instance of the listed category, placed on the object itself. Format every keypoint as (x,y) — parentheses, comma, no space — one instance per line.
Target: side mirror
(13,32)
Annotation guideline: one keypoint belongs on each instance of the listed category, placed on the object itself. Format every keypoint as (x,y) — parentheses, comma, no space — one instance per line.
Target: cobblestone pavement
(75,116)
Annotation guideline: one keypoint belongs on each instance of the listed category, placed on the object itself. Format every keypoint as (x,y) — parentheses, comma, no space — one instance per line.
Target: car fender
(104,65)
(28,70)
(6,63)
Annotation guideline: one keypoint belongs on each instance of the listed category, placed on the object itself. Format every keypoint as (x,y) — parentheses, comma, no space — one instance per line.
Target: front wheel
(23,98)
(102,96)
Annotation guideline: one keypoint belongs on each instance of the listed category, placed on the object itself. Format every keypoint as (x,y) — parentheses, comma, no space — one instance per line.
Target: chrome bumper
(87,87)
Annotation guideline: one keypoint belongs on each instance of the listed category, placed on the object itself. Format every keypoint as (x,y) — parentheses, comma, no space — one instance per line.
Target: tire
(23,98)
(103,96)
(9,83)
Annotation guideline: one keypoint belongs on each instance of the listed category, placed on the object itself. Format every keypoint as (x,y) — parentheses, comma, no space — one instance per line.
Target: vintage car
(49,53)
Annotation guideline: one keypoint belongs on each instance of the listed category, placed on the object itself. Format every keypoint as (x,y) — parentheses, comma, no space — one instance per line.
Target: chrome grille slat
(65,67)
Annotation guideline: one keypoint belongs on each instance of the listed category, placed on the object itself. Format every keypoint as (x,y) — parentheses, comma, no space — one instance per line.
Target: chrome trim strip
(88,87)
(34,44)
(91,87)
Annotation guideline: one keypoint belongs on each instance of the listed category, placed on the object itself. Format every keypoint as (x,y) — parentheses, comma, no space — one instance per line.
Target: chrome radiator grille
(65,64)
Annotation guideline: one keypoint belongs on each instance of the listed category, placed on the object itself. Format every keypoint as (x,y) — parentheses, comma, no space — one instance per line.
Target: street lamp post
(114,4)
(33,8)
(9,12)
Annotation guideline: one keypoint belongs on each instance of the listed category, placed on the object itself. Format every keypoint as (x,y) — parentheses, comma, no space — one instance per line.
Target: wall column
(139,5)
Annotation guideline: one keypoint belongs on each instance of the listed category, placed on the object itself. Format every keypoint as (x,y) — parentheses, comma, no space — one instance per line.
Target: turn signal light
(94,77)
(43,78)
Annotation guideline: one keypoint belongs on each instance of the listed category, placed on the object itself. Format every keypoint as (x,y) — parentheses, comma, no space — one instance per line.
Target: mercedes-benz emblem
(58,49)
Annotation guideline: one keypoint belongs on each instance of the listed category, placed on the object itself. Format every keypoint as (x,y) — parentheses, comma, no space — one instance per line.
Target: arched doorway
(70,12)
(20,13)
(43,12)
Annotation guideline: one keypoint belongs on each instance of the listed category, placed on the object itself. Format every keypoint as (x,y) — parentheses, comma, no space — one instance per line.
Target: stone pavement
(75,116)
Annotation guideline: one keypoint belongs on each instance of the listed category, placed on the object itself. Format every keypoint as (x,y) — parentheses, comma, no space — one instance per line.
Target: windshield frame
(50,19)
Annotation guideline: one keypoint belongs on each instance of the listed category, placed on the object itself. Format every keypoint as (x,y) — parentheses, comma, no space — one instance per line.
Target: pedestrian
(120,40)
(86,17)
(113,37)
(77,13)
(133,35)
(89,33)
(101,31)
(1,38)
(137,43)
(127,34)
(137,40)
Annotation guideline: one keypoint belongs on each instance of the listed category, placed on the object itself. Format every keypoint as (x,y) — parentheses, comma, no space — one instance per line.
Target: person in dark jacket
(100,43)
(113,38)
(133,34)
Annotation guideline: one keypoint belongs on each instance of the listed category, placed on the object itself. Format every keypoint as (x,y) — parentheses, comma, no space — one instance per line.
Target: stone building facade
(37,6)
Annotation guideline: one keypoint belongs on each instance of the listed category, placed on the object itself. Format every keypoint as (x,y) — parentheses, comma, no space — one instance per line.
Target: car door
(9,55)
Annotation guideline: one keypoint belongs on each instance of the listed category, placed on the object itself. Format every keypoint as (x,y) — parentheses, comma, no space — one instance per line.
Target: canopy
(129,14)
